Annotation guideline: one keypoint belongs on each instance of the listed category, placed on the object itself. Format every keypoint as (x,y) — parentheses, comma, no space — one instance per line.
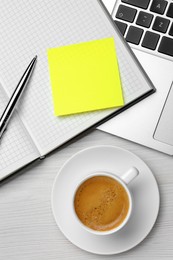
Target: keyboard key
(150,40)
(134,35)
(161,24)
(170,11)
(158,6)
(139,3)
(121,26)
(171,30)
(166,46)
(126,13)
(144,19)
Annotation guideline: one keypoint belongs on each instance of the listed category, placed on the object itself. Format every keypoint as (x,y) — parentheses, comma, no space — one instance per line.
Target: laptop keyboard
(146,24)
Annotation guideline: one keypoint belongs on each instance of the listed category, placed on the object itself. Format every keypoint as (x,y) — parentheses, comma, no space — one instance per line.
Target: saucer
(144,190)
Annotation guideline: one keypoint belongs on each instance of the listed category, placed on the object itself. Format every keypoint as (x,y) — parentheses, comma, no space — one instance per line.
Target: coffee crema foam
(101,203)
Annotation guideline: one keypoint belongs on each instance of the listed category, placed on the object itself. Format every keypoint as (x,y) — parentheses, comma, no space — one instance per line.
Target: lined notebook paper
(16,147)
(31,27)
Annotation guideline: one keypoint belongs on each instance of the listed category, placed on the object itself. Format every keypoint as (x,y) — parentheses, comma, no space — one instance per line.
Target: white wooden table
(27,227)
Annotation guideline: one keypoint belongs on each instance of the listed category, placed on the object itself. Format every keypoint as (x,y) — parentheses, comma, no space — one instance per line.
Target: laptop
(147,26)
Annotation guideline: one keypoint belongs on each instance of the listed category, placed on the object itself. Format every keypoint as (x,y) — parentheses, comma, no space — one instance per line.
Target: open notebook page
(16,147)
(31,27)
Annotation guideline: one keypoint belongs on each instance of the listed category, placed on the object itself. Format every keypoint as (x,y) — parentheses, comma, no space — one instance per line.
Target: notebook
(31,27)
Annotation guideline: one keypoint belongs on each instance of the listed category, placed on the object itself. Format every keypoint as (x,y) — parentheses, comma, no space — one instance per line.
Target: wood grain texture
(27,227)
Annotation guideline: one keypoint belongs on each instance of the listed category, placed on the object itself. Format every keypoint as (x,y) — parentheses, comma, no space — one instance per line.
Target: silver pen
(5,118)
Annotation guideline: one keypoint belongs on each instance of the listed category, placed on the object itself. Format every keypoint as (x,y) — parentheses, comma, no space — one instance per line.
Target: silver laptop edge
(149,122)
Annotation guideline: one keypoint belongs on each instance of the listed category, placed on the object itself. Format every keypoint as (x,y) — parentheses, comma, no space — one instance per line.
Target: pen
(5,118)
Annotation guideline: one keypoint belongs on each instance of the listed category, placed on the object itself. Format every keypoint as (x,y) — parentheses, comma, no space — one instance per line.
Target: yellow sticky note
(85,77)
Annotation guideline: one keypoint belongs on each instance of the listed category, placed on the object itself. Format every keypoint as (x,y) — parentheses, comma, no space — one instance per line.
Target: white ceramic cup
(124,180)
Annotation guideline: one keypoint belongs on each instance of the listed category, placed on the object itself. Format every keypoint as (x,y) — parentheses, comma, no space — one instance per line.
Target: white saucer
(144,190)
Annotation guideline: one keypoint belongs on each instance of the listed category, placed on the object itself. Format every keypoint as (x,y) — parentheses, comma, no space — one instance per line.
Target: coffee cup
(102,201)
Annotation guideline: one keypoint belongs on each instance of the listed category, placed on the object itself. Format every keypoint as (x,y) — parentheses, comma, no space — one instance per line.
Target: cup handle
(129,175)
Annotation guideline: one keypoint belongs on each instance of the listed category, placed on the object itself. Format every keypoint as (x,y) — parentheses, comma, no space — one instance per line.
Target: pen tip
(34,59)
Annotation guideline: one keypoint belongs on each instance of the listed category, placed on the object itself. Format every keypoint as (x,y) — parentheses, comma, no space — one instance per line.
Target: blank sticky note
(85,77)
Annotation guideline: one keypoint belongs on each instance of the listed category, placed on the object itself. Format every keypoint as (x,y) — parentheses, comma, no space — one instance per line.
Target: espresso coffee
(101,203)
